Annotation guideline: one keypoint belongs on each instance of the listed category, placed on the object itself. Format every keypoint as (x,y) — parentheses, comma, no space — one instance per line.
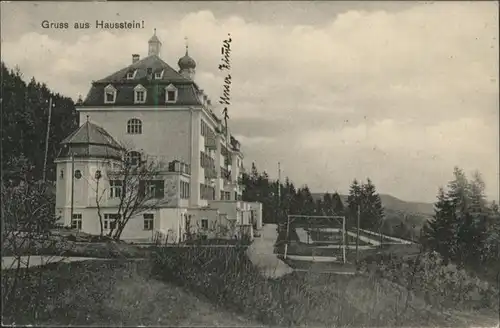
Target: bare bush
(27,219)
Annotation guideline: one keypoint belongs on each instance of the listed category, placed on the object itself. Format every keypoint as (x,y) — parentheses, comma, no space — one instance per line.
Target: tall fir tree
(440,233)
(372,212)
(353,201)
(338,206)
(327,204)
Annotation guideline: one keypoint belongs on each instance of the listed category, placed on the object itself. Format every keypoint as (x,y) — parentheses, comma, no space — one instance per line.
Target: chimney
(135,58)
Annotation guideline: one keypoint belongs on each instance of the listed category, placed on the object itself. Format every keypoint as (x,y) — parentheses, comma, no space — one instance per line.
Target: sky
(398,92)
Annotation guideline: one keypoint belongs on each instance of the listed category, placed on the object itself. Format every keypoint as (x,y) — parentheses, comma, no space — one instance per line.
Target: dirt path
(261,253)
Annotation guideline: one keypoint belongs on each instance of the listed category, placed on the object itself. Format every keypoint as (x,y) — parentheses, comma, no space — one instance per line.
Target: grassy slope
(113,293)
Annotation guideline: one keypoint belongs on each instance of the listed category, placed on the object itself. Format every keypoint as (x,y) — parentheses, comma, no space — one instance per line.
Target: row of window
(140,94)
(149,188)
(157,75)
(188,225)
(109,221)
(185,193)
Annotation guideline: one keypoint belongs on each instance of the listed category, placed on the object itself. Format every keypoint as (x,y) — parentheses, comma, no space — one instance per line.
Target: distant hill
(394,204)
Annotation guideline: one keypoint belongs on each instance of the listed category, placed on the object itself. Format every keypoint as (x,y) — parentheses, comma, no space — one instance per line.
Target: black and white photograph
(250,163)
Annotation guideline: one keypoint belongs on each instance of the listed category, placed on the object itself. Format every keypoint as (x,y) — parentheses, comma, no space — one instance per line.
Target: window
(204,224)
(154,189)
(76,221)
(134,158)
(62,174)
(140,94)
(109,94)
(115,188)
(109,221)
(134,126)
(207,192)
(148,221)
(171,94)
(131,75)
(158,75)
(184,190)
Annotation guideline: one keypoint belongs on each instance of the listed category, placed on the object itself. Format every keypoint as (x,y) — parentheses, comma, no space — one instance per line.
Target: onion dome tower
(187,65)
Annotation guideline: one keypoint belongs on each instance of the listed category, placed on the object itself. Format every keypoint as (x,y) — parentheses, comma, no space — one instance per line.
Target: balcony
(206,160)
(225,174)
(235,144)
(210,173)
(210,140)
(178,166)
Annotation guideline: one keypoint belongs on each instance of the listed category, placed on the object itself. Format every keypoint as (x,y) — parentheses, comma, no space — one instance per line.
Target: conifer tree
(353,201)
(372,211)
(338,206)
(440,233)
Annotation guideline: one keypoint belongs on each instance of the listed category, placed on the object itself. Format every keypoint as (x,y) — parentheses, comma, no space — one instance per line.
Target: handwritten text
(225,65)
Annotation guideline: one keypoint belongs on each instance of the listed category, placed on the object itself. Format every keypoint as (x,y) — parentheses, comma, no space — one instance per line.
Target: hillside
(394,204)
(113,293)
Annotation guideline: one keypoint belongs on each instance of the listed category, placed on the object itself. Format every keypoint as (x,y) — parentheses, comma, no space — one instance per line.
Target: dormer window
(109,94)
(139,94)
(170,94)
(159,75)
(131,75)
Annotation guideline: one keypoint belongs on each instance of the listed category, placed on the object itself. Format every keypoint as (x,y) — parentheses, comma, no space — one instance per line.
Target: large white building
(160,114)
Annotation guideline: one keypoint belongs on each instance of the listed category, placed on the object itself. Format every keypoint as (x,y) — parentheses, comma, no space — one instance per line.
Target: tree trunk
(97,200)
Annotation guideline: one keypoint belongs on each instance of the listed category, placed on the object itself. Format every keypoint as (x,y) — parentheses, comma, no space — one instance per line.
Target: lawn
(110,293)
(298,248)
(333,238)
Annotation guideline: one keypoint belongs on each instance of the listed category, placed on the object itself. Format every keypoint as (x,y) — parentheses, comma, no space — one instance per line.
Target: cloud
(396,95)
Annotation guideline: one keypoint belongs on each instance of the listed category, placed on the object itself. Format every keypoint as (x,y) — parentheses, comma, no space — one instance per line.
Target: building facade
(149,112)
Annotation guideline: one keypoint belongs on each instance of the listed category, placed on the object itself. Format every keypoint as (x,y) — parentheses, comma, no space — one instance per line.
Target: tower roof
(90,140)
(186,62)
(154,38)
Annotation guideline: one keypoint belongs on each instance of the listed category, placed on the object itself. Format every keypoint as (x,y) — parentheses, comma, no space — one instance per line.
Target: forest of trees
(25,112)
(465,229)
(259,187)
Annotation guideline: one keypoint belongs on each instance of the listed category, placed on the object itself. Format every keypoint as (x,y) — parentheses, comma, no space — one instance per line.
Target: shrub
(227,277)
(442,286)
